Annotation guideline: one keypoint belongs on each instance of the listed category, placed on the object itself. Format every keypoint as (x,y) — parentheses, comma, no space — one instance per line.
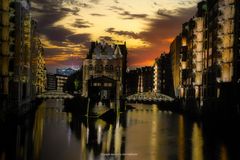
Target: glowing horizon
(67,26)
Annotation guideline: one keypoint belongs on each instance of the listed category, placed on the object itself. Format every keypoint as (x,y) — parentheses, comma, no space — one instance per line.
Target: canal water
(144,133)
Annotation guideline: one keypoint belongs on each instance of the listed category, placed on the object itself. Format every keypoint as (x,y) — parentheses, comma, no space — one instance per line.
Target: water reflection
(142,133)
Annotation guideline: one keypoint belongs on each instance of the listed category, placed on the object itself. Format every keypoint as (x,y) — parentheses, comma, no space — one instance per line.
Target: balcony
(4,66)
(4,5)
(225,41)
(4,48)
(198,36)
(227,55)
(199,24)
(4,31)
(226,27)
(198,78)
(198,56)
(226,12)
(226,72)
(226,2)
(199,66)
(198,47)
(4,18)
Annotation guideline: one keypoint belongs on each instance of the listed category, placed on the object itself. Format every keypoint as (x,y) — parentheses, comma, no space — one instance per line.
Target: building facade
(174,54)
(51,82)
(222,59)
(192,52)
(145,79)
(61,80)
(5,55)
(16,52)
(209,57)
(104,73)
(17,55)
(38,67)
(132,82)
(162,75)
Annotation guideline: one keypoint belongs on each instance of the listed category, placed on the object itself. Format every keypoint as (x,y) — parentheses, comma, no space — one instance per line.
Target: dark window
(11,65)
(99,68)
(90,68)
(1,85)
(111,67)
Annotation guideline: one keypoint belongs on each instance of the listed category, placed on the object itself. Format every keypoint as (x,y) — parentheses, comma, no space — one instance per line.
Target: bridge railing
(149,96)
(54,95)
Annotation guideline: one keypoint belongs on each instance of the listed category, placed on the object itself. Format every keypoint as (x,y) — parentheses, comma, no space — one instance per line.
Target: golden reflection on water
(154,135)
(181,138)
(38,130)
(147,132)
(224,154)
(197,143)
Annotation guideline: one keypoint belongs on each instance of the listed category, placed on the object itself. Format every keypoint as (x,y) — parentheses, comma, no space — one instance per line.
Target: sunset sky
(148,26)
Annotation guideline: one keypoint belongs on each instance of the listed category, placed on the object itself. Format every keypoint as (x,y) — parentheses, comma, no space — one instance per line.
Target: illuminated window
(184,41)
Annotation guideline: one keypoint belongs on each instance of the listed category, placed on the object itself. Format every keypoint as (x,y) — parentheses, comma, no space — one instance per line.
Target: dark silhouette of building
(163,75)
(145,79)
(132,82)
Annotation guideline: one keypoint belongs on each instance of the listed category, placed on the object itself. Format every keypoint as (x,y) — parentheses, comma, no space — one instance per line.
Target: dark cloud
(188,2)
(74,11)
(159,35)
(106,38)
(79,38)
(94,1)
(51,52)
(165,13)
(122,33)
(56,34)
(155,3)
(109,39)
(80,23)
(97,15)
(128,15)
(116,9)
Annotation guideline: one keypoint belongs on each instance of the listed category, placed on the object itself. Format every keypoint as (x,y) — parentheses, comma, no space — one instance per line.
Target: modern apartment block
(51,82)
(61,80)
